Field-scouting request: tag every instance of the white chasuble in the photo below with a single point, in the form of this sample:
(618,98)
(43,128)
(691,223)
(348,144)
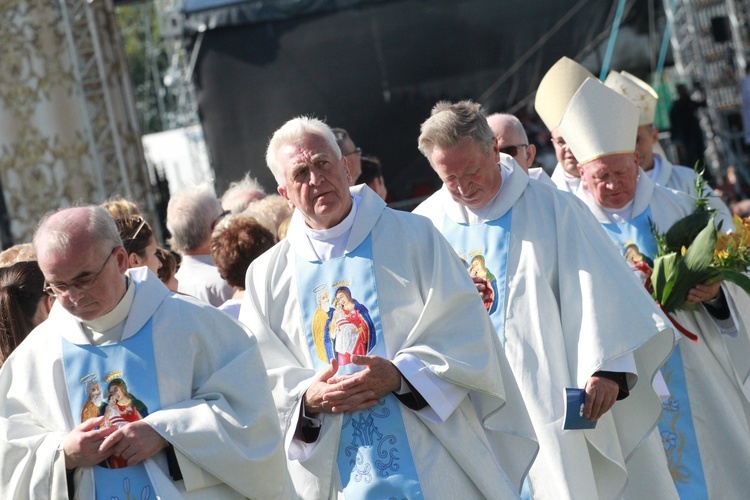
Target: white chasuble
(681,178)
(638,246)
(205,392)
(705,426)
(421,304)
(560,326)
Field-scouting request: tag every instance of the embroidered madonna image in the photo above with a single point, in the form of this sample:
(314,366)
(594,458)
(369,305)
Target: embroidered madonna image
(342,329)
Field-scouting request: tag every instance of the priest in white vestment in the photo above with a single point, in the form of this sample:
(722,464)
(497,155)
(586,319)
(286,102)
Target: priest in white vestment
(129,390)
(387,376)
(555,90)
(547,277)
(705,427)
(651,156)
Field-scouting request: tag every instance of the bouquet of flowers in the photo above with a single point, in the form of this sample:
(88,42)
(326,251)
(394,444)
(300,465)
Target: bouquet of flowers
(693,252)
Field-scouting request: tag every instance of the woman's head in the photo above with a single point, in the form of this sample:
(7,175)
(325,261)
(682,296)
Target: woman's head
(120,208)
(236,242)
(23,304)
(139,242)
(169,265)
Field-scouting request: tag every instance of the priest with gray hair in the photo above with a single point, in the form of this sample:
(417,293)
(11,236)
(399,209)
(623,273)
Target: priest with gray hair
(386,373)
(546,273)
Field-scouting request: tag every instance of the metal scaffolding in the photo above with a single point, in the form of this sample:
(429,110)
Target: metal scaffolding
(105,145)
(182,51)
(710,47)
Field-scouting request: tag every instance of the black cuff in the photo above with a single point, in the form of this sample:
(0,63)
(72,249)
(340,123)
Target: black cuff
(172,463)
(718,307)
(412,400)
(308,429)
(620,378)
(69,479)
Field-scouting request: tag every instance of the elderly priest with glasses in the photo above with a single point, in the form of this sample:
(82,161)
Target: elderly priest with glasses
(129,390)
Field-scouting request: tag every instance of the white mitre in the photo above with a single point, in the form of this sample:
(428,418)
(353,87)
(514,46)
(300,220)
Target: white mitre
(556,88)
(599,122)
(639,92)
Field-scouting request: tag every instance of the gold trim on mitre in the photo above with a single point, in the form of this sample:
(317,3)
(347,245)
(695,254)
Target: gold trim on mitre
(556,88)
(599,122)
(639,92)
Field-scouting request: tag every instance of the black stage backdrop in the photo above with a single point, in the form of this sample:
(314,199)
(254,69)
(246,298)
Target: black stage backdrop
(375,69)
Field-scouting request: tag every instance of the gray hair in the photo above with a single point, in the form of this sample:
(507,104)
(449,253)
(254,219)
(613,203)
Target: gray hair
(241,193)
(90,386)
(190,215)
(59,226)
(271,211)
(293,132)
(449,123)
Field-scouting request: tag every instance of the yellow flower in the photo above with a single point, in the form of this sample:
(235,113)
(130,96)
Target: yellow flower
(732,250)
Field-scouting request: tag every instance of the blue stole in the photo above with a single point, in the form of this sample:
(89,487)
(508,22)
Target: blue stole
(117,372)
(339,302)
(634,239)
(484,250)
(637,244)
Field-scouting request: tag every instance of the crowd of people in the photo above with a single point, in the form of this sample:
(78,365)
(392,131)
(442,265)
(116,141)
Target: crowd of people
(499,342)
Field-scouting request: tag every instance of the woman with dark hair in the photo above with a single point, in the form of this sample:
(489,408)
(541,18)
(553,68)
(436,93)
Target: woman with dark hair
(23,304)
(139,242)
(169,265)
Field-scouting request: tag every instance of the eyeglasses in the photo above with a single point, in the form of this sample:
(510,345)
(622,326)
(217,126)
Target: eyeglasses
(82,284)
(357,151)
(512,150)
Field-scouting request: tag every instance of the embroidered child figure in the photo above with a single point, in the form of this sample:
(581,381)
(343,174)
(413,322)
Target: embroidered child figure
(122,409)
(350,328)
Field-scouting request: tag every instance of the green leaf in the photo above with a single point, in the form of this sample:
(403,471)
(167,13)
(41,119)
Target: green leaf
(676,289)
(685,280)
(672,275)
(701,192)
(739,279)
(692,269)
(663,269)
(714,276)
(684,231)
(700,253)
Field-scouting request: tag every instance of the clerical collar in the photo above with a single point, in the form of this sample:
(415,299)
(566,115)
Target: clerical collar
(480,215)
(622,214)
(102,329)
(331,243)
(653,174)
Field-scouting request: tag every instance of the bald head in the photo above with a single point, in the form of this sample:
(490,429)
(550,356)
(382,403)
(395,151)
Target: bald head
(75,228)
(512,139)
(82,258)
